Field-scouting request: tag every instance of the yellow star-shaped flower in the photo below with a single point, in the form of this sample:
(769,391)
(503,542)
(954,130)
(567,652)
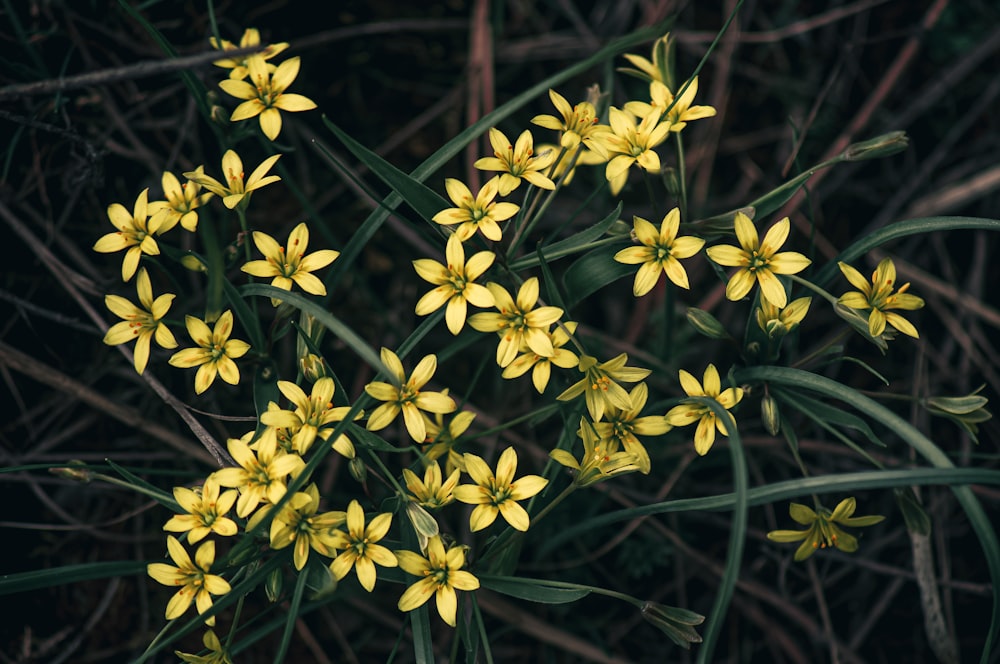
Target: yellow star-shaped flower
(758,261)
(290,265)
(659,252)
(265,94)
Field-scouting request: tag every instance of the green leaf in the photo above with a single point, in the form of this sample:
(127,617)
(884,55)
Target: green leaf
(533,590)
(60,576)
(248,319)
(417,195)
(373,441)
(142,486)
(902,229)
(981,523)
(568,246)
(324,318)
(591,272)
(830,414)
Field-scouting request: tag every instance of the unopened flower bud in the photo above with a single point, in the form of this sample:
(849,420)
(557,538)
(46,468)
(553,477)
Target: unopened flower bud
(880,146)
(769,414)
(313,367)
(274,584)
(424,524)
(193,263)
(358,470)
(706,324)
(677,624)
(76,470)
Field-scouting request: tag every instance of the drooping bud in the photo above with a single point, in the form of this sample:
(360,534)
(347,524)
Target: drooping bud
(769,414)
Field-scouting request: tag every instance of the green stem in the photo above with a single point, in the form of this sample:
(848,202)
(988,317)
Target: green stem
(813,287)
(682,177)
(555,501)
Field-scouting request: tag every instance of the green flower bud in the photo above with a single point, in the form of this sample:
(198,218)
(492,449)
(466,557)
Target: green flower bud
(706,324)
(677,624)
(880,146)
(769,414)
(274,584)
(358,470)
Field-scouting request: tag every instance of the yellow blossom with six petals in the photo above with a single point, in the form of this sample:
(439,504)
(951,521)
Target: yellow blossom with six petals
(198,585)
(440,574)
(405,395)
(686,413)
(135,234)
(455,283)
(291,265)
(215,352)
(518,322)
(659,252)
(475,213)
(140,323)
(759,261)
(499,493)
(265,94)
(235,191)
(878,297)
(517,162)
(361,548)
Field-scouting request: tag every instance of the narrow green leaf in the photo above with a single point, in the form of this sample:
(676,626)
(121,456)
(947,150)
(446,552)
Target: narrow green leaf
(827,412)
(780,491)
(142,486)
(60,576)
(902,229)
(293,617)
(249,321)
(981,523)
(593,271)
(417,195)
(737,533)
(324,318)
(533,590)
(570,245)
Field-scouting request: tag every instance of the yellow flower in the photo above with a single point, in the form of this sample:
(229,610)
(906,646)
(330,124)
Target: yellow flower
(541,366)
(206,511)
(778,322)
(291,265)
(215,352)
(431,492)
(497,494)
(454,283)
(622,425)
(687,413)
(362,548)
(578,124)
(659,252)
(251,37)
(216,655)
(181,204)
(197,584)
(440,574)
(630,143)
(265,94)
(878,297)
(297,523)
(481,212)
(600,384)
(312,412)
(135,233)
(259,476)
(405,395)
(599,462)
(235,191)
(758,261)
(661,98)
(659,68)
(140,323)
(823,530)
(517,162)
(518,323)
